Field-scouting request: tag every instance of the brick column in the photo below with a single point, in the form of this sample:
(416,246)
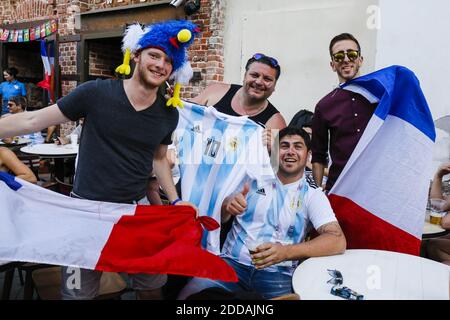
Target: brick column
(206,53)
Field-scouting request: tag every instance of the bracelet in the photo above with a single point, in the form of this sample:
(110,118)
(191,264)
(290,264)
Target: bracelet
(174,202)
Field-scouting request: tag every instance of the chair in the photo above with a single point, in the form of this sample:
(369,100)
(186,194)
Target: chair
(63,187)
(47,283)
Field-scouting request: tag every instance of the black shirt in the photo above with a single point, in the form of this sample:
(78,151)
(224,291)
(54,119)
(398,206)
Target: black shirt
(117,142)
(224,106)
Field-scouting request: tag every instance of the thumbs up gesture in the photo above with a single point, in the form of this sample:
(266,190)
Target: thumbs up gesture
(236,204)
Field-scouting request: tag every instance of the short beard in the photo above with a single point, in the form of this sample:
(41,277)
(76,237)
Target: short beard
(347,78)
(143,78)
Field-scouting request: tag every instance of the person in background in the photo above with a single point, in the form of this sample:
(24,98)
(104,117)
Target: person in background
(10,87)
(77,131)
(18,104)
(438,249)
(11,164)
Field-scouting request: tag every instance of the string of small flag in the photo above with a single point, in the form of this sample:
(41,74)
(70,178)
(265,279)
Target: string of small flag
(29,34)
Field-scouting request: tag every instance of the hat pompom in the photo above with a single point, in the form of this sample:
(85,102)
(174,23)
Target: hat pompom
(132,36)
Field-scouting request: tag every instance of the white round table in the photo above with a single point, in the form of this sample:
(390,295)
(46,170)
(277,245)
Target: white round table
(51,150)
(376,274)
(57,152)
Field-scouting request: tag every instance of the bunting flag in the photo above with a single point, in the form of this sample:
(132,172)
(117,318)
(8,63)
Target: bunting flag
(48,59)
(381,195)
(38,225)
(29,34)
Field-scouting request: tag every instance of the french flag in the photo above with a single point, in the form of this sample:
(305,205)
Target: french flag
(381,195)
(48,59)
(38,225)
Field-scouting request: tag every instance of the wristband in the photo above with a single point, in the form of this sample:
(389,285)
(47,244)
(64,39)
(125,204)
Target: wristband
(174,202)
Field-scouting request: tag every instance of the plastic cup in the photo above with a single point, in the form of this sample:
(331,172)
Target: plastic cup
(252,245)
(74,140)
(436,210)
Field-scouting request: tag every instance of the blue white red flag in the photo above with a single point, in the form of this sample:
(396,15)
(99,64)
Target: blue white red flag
(48,59)
(381,195)
(38,225)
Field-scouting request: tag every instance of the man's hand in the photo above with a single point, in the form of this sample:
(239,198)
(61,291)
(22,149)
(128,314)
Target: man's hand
(186,203)
(267,139)
(443,170)
(269,254)
(237,204)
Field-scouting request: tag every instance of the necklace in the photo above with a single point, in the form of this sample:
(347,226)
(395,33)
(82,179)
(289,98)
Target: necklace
(252,112)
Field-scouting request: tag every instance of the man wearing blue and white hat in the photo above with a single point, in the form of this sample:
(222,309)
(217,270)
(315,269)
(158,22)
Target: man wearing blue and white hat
(127,129)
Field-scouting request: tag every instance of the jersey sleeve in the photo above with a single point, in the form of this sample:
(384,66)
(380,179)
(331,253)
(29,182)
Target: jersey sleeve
(76,104)
(319,211)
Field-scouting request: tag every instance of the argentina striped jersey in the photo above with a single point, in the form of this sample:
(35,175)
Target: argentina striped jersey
(217,152)
(278,213)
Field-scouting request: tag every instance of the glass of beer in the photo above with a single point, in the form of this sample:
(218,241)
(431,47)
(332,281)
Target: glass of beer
(252,245)
(436,212)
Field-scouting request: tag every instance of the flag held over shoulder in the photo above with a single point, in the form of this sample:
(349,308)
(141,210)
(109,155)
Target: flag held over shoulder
(38,225)
(381,195)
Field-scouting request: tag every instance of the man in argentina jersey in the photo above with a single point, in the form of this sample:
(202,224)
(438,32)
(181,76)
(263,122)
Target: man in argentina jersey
(272,222)
(216,153)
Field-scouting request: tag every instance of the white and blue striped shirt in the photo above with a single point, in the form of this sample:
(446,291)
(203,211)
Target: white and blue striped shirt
(217,152)
(298,206)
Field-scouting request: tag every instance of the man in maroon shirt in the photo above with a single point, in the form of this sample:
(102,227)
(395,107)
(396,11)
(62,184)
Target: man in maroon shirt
(341,116)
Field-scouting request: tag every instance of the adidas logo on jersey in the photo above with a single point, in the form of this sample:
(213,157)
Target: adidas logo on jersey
(261,191)
(196,129)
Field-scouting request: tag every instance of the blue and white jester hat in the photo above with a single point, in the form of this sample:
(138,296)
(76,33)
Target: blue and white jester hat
(173,37)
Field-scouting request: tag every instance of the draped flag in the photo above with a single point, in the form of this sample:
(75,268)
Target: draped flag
(48,59)
(38,225)
(381,195)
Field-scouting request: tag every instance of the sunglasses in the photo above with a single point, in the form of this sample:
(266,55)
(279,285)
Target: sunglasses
(337,278)
(273,61)
(352,55)
(339,290)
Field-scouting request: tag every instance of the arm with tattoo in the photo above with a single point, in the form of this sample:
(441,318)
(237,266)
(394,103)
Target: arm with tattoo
(331,241)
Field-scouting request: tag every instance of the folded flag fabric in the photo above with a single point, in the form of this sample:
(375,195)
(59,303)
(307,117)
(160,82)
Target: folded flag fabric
(381,195)
(38,225)
(48,60)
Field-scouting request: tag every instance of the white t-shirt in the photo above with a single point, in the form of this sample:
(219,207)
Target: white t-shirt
(298,206)
(217,152)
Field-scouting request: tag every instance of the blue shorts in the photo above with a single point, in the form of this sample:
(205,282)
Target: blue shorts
(268,284)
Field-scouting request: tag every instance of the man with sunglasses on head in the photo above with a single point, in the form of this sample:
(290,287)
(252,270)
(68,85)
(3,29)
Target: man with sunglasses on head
(250,99)
(341,117)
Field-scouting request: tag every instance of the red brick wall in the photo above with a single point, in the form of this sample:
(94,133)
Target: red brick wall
(206,54)
(25,10)
(104,58)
